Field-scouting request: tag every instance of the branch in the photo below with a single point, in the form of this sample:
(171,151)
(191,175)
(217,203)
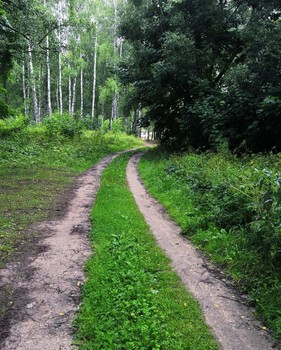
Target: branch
(6,25)
(235,59)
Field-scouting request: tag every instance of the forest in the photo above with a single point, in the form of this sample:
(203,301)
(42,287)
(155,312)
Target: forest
(202,74)
(81,80)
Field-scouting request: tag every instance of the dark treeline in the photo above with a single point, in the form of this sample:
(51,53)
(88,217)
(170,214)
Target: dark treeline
(208,71)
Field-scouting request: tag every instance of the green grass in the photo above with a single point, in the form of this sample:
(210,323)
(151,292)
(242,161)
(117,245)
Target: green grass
(27,196)
(230,208)
(35,173)
(132,299)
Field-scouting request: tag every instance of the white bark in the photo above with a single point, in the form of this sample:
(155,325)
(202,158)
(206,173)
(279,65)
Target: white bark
(94,77)
(60,63)
(73,96)
(69,91)
(60,83)
(115,46)
(57,96)
(81,91)
(48,67)
(24,89)
(36,114)
(115,106)
(39,90)
(28,99)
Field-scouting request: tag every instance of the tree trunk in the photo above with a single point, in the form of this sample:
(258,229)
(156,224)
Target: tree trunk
(57,96)
(73,96)
(48,67)
(39,90)
(69,91)
(36,114)
(81,91)
(115,47)
(60,64)
(115,106)
(24,88)
(94,77)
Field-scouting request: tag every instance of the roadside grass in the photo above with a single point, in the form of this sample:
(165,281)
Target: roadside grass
(36,171)
(132,299)
(231,209)
(27,196)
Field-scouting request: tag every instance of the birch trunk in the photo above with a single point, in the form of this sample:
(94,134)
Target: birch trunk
(39,90)
(81,92)
(60,83)
(60,64)
(115,106)
(94,77)
(57,96)
(69,91)
(36,114)
(48,67)
(28,99)
(115,47)
(24,89)
(73,96)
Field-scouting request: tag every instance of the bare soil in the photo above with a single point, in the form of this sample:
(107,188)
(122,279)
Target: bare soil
(46,284)
(232,323)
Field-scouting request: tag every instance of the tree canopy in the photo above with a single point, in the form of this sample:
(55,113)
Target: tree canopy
(208,71)
(203,73)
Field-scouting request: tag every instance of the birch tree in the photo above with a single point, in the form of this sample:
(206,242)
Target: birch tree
(36,114)
(94,77)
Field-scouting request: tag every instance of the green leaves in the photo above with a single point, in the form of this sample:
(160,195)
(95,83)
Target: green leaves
(188,56)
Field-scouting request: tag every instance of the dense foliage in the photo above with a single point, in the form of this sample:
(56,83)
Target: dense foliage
(61,56)
(230,208)
(208,71)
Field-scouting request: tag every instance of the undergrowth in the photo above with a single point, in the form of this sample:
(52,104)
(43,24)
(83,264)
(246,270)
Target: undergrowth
(132,299)
(231,208)
(36,169)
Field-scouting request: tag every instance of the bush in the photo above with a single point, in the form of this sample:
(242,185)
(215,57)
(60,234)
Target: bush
(10,126)
(5,110)
(62,125)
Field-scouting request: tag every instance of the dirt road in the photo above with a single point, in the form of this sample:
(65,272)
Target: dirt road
(52,288)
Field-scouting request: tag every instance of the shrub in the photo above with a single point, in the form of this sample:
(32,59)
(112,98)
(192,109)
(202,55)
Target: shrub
(62,125)
(10,126)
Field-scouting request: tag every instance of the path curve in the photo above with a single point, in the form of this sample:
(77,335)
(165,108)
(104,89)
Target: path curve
(54,287)
(232,323)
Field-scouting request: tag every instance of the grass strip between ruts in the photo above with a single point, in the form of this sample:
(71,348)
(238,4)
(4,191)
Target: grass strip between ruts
(132,299)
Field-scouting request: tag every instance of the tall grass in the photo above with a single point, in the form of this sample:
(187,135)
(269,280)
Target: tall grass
(230,208)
